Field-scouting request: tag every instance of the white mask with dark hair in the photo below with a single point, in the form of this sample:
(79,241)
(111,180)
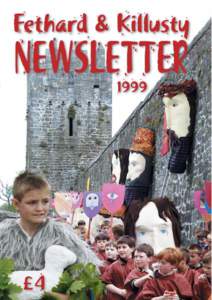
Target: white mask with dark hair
(153,230)
(137,164)
(177,111)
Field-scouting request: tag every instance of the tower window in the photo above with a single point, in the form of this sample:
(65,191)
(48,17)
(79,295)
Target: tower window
(70,127)
(71,116)
(96,93)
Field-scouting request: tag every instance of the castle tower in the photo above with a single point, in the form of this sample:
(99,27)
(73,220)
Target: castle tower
(69,121)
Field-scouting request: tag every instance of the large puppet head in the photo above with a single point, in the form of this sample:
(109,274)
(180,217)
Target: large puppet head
(179,100)
(139,175)
(158,224)
(120,160)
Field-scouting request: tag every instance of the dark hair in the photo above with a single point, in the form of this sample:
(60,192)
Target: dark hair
(81,222)
(26,182)
(123,155)
(189,88)
(105,223)
(118,230)
(146,248)
(202,234)
(102,237)
(126,239)
(166,209)
(195,248)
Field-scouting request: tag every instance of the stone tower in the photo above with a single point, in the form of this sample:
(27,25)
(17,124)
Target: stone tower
(69,121)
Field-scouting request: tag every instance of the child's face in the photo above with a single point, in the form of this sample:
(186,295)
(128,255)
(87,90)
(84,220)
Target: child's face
(101,245)
(82,229)
(194,259)
(165,267)
(34,206)
(141,260)
(124,251)
(207,269)
(182,266)
(111,252)
(105,229)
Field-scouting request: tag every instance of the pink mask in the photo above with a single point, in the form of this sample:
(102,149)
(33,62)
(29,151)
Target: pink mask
(113,196)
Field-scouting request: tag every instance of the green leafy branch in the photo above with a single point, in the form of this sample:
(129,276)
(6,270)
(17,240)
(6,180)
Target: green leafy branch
(79,281)
(8,290)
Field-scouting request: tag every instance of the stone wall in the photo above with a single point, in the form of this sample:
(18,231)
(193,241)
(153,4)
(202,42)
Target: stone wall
(178,187)
(53,102)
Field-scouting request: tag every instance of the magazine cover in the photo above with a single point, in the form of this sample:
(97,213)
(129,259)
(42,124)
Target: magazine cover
(105,157)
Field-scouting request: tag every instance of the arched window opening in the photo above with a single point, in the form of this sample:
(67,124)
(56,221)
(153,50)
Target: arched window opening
(70,127)
(71,116)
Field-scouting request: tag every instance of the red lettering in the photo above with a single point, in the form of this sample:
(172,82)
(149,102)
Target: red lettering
(62,55)
(57,55)
(82,56)
(174,24)
(38,24)
(110,57)
(19,54)
(121,23)
(48,24)
(162,57)
(185,28)
(28,25)
(147,45)
(27,284)
(129,46)
(17,22)
(165,26)
(61,26)
(94,67)
(82,24)
(40,282)
(179,55)
(37,57)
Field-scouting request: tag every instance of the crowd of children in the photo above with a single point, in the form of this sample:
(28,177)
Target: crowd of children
(135,273)
(129,272)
